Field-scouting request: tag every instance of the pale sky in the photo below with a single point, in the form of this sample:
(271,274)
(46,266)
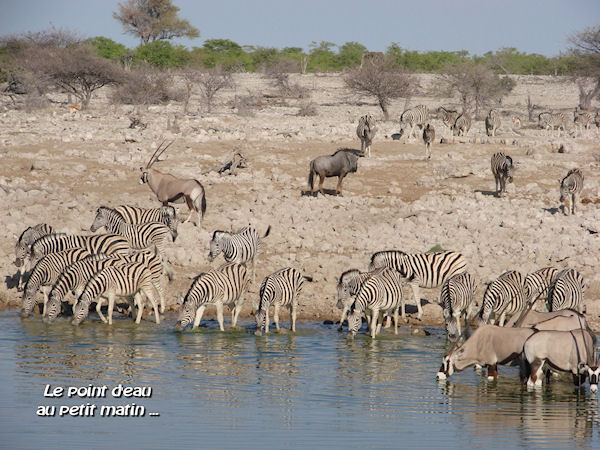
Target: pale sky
(532,26)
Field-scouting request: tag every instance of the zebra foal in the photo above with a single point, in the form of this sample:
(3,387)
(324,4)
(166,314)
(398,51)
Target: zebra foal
(503,297)
(502,169)
(223,286)
(570,187)
(456,298)
(365,131)
(279,289)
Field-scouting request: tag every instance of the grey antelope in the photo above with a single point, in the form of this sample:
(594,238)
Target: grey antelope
(170,189)
(279,289)
(503,170)
(22,247)
(533,317)
(365,131)
(124,280)
(489,345)
(223,286)
(570,187)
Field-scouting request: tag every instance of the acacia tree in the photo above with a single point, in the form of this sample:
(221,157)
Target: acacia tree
(586,49)
(382,82)
(152,20)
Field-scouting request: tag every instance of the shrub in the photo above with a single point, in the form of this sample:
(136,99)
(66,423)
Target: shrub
(145,85)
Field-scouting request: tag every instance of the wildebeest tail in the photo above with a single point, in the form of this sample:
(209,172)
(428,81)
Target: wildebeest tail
(311,175)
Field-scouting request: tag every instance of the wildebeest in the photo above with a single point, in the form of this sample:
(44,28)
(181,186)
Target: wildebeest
(341,163)
(428,138)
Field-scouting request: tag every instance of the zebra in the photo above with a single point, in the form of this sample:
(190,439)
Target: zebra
(570,187)
(456,298)
(548,121)
(44,275)
(223,286)
(75,277)
(279,289)
(425,270)
(138,216)
(28,237)
(567,291)
(583,119)
(537,284)
(381,293)
(428,138)
(348,286)
(502,169)
(448,116)
(239,247)
(123,280)
(492,122)
(365,131)
(504,296)
(138,236)
(413,117)
(462,125)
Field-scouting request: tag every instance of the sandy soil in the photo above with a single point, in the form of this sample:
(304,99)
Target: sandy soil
(58,169)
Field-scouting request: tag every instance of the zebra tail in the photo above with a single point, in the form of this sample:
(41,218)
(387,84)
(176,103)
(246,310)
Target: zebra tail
(203,204)
(311,175)
(307,278)
(267,232)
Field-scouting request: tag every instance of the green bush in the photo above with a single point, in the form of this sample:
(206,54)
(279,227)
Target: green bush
(162,54)
(107,48)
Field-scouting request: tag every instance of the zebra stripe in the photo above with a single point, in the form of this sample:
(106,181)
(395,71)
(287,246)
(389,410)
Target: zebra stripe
(348,286)
(417,116)
(502,169)
(279,289)
(567,291)
(456,298)
(22,249)
(425,270)
(492,122)
(122,280)
(381,293)
(537,284)
(137,216)
(504,296)
(365,131)
(223,286)
(570,187)
(548,121)
(44,275)
(448,116)
(462,125)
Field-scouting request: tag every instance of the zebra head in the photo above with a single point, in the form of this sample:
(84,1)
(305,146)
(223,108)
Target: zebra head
(354,323)
(509,169)
(52,308)
(81,309)
(343,286)
(215,244)
(186,314)
(21,251)
(28,303)
(100,220)
(170,220)
(451,324)
(261,317)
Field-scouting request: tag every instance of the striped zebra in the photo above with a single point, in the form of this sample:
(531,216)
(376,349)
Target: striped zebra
(428,138)
(348,286)
(570,187)
(279,289)
(365,131)
(138,236)
(22,247)
(549,121)
(421,270)
(223,286)
(503,297)
(502,169)
(239,247)
(138,216)
(381,293)
(44,275)
(122,280)
(492,122)
(462,125)
(456,298)
(537,284)
(413,117)
(567,291)
(583,119)
(448,116)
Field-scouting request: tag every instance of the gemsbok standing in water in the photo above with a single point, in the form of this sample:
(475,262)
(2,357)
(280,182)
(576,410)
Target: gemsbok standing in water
(170,189)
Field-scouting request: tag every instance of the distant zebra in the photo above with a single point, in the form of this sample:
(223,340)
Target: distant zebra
(44,275)
(138,216)
(567,291)
(492,122)
(462,125)
(223,286)
(426,270)
(428,138)
(348,286)
(503,297)
(537,284)
(139,237)
(548,121)
(381,293)
(279,289)
(570,187)
(28,237)
(414,117)
(448,116)
(502,169)
(456,298)
(365,131)
(239,247)
(123,280)
(583,119)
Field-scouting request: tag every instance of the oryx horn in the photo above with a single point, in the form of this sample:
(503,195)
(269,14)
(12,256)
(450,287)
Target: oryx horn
(157,153)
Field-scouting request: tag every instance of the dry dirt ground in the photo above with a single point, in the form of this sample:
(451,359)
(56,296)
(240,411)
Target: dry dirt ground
(57,168)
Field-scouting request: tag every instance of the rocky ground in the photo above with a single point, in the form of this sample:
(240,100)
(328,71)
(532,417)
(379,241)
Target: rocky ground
(57,168)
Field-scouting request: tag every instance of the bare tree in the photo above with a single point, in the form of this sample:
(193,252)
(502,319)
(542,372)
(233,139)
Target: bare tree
(586,49)
(146,85)
(211,82)
(152,20)
(382,82)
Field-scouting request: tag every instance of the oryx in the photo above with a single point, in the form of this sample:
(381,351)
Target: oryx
(170,189)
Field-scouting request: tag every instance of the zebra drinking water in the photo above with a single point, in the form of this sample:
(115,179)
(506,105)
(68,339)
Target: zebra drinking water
(502,169)
(504,296)
(348,286)
(567,291)
(570,187)
(365,131)
(412,118)
(492,122)
(456,298)
(279,289)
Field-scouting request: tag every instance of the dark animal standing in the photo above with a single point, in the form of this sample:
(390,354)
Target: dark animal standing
(428,138)
(341,163)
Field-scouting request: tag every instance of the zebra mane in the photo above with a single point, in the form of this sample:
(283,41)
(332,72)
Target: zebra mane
(349,150)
